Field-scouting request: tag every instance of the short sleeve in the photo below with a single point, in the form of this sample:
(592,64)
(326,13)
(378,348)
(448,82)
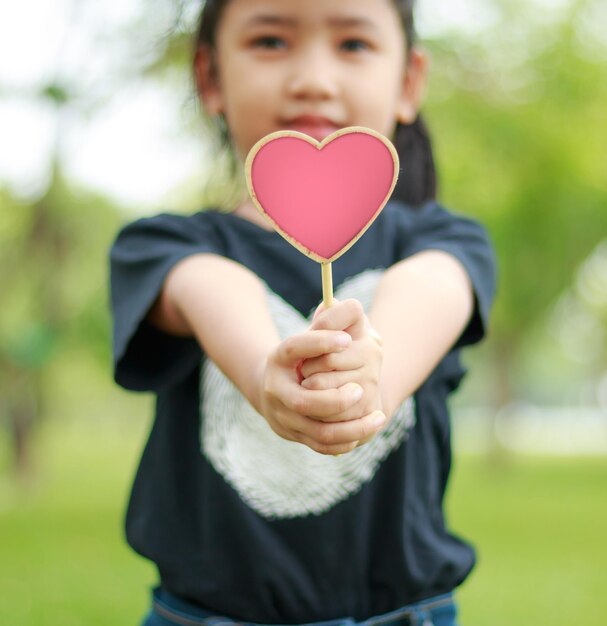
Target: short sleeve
(432,227)
(145,358)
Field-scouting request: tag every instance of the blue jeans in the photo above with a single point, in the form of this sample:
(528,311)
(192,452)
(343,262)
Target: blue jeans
(168,610)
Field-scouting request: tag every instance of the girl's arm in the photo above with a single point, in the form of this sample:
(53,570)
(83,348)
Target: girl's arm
(224,306)
(421,308)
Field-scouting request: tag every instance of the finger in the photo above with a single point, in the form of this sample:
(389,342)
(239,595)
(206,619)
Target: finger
(336,450)
(333,361)
(294,427)
(324,404)
(330,380)
(368,438)
(347,315)
(282,429)
(296,437)
(321,307)
(324,437)
(311,344)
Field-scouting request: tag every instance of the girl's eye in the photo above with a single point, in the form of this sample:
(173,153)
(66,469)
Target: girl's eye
(354,45)
(269,43)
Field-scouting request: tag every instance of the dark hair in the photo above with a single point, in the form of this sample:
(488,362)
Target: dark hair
(417,181)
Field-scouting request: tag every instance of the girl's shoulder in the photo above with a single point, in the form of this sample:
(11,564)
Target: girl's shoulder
(432,223)
(204,219)
(430,211)
(174,220)
(204,224)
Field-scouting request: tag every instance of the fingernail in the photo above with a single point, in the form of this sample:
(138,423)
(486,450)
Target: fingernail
(357,392)
(379,420)
(343,340)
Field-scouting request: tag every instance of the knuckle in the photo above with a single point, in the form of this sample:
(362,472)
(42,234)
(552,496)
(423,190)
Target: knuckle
(292,435)
(320,448)
(344,400)
(282,432)
(325,434)
(299,403)
(289,346)
(320,321)
(342,404)
(354,307)
(327,362)
(268,388)
(274,355)
(314,383)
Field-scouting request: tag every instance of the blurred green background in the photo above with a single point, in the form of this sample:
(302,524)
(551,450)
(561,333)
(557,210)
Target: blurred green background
(517,105)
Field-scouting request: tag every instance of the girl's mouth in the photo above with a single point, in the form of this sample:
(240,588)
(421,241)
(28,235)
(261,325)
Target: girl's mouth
(316,127)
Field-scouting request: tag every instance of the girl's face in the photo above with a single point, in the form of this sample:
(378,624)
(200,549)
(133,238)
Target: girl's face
(309,65)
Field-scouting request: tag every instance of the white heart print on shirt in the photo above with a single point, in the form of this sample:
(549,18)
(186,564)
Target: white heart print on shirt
(279,478)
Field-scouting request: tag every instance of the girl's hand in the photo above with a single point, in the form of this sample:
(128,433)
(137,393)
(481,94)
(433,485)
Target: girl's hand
(328,420)
(359,363)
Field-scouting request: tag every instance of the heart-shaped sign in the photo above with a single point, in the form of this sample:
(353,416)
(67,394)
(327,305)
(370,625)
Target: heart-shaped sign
(322,196)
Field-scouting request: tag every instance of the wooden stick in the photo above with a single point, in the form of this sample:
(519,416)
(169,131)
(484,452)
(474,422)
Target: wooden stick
(327,285)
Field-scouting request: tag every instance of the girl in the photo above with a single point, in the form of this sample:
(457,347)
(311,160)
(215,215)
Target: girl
(295,470)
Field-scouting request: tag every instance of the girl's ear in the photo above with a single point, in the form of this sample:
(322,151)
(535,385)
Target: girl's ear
(414,84)
(207,81)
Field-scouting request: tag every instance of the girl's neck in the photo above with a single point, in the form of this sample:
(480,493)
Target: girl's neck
(247,211)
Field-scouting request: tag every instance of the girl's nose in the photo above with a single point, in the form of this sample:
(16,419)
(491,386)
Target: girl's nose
(312,75)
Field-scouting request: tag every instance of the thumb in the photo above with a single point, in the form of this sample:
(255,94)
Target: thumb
(310,344)
(347,315)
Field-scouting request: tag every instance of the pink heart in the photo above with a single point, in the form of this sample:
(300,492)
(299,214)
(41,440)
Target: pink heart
(322,196)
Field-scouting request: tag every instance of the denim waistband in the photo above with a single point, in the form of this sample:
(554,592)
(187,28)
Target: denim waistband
(181,613)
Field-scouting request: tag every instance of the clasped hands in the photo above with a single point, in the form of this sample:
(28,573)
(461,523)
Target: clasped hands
(321,387)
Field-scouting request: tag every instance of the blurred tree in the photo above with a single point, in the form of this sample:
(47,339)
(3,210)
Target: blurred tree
(578,323)
(54,296)
(519,121)
(55,244)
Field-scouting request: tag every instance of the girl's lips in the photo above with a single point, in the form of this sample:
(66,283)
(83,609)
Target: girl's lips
(317,130)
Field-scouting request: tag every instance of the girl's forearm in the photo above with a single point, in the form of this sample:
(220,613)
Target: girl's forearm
(420,309)
(224,306)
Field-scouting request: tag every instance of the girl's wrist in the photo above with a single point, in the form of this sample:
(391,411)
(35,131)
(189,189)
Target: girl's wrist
(254,391)
(388,403)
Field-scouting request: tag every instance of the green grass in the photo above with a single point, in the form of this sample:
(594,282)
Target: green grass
(64,559)
(538,523)
(539,527)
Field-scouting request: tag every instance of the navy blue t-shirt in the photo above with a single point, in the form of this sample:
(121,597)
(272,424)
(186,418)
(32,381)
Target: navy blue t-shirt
(244,523)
